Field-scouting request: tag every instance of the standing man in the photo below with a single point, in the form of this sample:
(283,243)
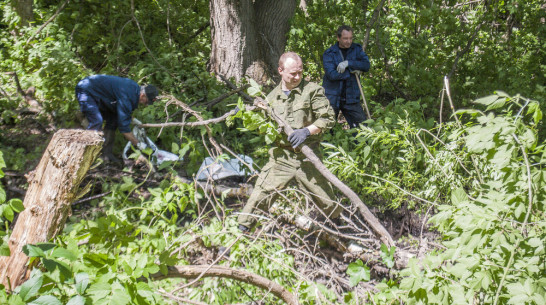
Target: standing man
(112,99)
(340,85)
(305,108)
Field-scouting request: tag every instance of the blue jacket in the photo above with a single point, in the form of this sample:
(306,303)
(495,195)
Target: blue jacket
(333,81)
(114,95)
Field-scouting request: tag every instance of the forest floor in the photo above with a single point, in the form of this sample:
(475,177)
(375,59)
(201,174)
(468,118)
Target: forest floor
(322,249)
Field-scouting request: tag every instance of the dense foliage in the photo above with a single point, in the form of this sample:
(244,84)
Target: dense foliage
(477,174)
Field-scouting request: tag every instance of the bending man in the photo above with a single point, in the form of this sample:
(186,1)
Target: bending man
(112,99)
(305,108)
(340,85)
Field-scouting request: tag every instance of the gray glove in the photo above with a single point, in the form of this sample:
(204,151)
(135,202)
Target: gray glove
(298,136)
(342,66)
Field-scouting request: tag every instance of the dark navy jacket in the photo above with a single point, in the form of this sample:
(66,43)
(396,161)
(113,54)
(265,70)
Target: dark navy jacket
(114,95)
(333,81)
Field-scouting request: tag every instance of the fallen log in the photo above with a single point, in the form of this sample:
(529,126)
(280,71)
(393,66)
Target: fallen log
(53,185)
(374,223)
(194,271)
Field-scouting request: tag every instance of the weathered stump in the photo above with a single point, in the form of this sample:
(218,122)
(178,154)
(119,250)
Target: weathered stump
(53,185)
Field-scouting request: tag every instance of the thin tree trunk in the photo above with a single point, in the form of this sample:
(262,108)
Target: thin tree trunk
(24,10)
(53,185)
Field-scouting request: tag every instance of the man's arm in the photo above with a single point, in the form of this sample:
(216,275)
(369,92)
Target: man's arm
(130,137)
(361,62)
(322,111)
(313,129)
(330,67)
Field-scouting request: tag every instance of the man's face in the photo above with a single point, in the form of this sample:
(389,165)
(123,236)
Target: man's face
(143,99)
(346,39)
(291,74)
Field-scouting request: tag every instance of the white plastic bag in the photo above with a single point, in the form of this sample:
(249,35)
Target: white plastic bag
(158,156)
(222,169)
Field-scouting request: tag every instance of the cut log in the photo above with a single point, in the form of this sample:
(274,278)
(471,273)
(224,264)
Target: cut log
(53,185)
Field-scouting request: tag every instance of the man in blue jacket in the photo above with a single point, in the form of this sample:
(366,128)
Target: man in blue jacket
(112,99)
(340,85)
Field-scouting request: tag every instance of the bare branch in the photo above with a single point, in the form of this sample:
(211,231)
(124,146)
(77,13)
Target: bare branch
(195,271)
(193,124)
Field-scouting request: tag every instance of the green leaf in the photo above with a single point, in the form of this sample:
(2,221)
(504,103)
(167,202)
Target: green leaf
(82,281)
(2,196)
(4,249)
(99,291)
(458,196)
(31,287)
(16,204)
(46,300)
(358,272)
(76,300)
(64,253)
(33,251)
(488,100)
(7,211)
(387,255)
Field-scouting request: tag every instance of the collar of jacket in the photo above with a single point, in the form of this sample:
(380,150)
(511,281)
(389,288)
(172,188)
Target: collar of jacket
(280,94)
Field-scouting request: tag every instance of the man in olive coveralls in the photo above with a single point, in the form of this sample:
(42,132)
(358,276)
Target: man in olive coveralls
(306,109)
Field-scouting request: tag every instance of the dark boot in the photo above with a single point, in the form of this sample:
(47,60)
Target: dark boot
(107,154)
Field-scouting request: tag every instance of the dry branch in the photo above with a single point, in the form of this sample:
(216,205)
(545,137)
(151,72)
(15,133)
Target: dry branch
(52,187)
(226,95)
(193,124)
(374,223)
(194,271)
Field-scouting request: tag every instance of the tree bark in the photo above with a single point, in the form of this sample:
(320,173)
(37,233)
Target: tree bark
(24,10)
(53,185)
(248,37)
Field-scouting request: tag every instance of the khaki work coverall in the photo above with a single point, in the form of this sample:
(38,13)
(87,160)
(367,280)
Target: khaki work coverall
(305,105)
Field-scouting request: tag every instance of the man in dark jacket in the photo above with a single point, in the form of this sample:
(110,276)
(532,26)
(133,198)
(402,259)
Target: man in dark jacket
(112,99)
(340,85)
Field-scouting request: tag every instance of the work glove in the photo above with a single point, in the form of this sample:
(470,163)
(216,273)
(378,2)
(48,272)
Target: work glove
(342,66)
(142,146)
(298,136)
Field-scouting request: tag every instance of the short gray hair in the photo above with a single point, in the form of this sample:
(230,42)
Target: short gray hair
(287,55)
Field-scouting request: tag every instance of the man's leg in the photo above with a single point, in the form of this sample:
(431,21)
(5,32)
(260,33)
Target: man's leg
(353,113)
(90,109)
(107,150)
(275,175)
(321,190)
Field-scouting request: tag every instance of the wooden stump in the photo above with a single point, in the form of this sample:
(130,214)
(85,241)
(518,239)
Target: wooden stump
(53,185)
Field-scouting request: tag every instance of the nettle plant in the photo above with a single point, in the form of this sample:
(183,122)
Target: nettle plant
(494,234)
(400,151)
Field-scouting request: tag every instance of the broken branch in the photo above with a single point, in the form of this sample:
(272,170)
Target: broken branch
(194,271)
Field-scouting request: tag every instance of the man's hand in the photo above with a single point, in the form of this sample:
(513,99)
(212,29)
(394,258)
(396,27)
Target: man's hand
(342,66)
(142,146)
(298,136)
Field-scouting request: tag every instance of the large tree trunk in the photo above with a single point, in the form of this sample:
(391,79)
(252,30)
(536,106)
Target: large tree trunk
(24,10)
(249,36)
(52,187)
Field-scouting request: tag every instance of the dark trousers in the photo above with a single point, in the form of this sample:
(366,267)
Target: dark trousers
(91,109)
(353,113)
